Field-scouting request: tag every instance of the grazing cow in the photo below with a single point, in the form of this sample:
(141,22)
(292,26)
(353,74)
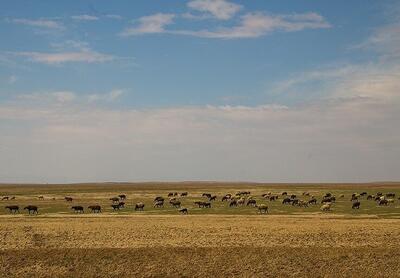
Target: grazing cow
(170,194)
(302,203)
(293,196)
(5,198)
(122,197)
(383,202)
(356,205)
(121,204)
(40,197)
(208,195)
(326,207)
(313,201)
(68,199)
(159,198)
(284,193)
(183,210)
(183,194)
(77,209)
(159,204)
(30,208)
(273,198)
(114,199)
(115,207)
(363,193)
(295,202)
(286,201)
(233,203)
(370,197)
(95,209)
(13,209)
(212,198)
(226,197)
(139,206)
(175,203)
(251,202)
(206,204)
(390,195)
(262,209)
(241,201)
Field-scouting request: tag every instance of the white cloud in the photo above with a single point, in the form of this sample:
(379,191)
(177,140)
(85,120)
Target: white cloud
(85,56)
(150,24)
(111,96)
(254,25)
(41,23)
(85,17)
(220,9)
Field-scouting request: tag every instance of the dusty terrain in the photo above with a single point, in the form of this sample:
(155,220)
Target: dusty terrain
(213,243)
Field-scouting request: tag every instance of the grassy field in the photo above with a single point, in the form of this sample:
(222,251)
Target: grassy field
(216,242)
(91,194)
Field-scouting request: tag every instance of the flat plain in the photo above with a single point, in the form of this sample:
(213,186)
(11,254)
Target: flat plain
(220,241)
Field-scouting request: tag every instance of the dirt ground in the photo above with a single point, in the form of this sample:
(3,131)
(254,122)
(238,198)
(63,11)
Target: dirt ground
(198,246)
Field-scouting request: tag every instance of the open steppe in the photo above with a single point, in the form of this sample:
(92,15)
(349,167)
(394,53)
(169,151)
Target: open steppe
(216,242)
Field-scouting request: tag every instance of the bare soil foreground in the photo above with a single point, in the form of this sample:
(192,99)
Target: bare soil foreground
(216,242)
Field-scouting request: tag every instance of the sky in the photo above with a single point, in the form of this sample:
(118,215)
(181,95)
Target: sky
(224,90)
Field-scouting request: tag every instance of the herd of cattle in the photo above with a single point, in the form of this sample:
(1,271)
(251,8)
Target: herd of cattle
(241,198)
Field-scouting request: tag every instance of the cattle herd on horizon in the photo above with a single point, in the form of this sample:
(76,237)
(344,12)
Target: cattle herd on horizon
(241,198)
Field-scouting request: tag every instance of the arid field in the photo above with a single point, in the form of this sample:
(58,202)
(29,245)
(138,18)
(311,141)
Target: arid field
(220,241)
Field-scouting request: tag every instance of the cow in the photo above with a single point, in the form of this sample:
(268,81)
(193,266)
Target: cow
(284,193)
(313,201)
(184,194)
(68,199)
(208,195)
(273,198)
(30,208)
(95,208)
(175,203)
(183,210)
(233,203)
(383,202)
(226,197)
(77,209)
(114,199)
(212,198)
(40,197)
(293,196)
(139,206)
(159,198)
(122,197)
(390,195)
(5,198)
(159,204)
(251,202)
(115,206)
(13,209)
(262,209)
(326,207)
(356,205)
(121,204)
(286,201)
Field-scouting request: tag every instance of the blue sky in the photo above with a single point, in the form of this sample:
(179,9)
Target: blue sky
(199,90)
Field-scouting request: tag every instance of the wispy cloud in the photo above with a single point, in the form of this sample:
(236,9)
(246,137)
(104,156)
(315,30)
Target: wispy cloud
(219,9)
(150,24)
(252,25)
(40,23)
(111,96)
(85,17)
(86,56)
